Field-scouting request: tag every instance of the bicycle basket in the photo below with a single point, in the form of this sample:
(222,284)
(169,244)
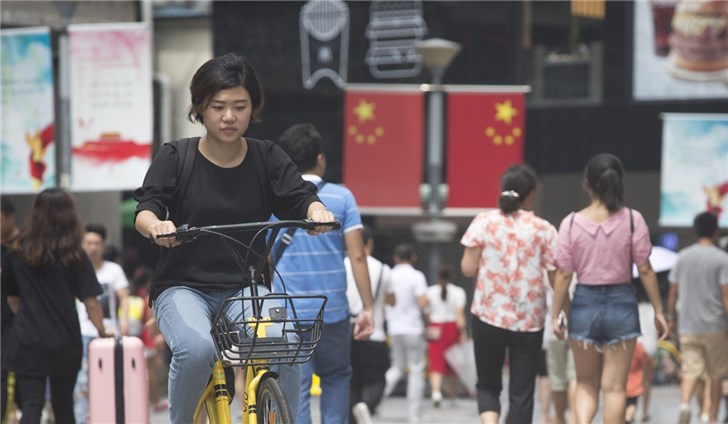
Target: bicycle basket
(290,339)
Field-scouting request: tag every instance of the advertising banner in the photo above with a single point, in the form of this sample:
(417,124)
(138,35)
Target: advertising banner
(383,145)
(680,49)
(27,148)
(694,174)
(485,135)
(111,105)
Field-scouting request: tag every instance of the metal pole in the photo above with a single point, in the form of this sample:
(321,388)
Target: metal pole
(434,163)
(64,132)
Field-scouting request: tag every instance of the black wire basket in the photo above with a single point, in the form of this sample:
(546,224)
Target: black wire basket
(237,342)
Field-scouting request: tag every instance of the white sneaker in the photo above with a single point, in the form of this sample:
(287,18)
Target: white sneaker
(361,413)
(436,399)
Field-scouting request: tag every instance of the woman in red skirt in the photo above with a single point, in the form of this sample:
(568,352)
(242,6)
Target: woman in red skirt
(446,327)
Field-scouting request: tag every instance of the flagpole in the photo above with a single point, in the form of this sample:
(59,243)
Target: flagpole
(437,54)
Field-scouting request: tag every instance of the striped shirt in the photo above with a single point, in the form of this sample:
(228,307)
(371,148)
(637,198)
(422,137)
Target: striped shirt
(314,265)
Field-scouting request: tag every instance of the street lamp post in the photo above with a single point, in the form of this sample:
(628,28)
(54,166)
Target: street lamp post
(436,56)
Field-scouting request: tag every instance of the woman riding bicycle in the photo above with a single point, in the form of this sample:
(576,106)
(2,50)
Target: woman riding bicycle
(232,179)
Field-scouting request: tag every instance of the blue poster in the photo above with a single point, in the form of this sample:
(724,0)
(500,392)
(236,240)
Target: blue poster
(27,141)
(694,176)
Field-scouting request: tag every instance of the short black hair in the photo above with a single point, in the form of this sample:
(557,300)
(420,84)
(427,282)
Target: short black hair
(302,142)
(220,73)
(111,253)
(7,207)
(404,252)
(705,225)
(98,229)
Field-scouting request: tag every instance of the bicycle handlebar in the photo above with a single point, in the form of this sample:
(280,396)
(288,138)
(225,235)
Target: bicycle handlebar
(185,233)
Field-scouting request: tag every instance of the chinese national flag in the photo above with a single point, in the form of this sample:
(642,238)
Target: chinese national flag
(485,135)
(383,146)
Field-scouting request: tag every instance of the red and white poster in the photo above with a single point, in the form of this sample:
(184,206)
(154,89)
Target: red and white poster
(485,135)
(111,105)
(383,145)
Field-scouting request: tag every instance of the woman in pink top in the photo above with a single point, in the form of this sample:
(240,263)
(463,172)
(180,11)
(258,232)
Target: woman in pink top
(599,243)
(507,249)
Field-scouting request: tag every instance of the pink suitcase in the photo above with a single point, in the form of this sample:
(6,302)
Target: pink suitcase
(118,385)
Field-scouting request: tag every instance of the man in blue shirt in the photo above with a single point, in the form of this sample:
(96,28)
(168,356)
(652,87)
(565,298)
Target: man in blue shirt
(315,265)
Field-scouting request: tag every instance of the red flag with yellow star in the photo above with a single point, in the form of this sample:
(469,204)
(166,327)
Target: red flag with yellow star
(485,135)
(383,146)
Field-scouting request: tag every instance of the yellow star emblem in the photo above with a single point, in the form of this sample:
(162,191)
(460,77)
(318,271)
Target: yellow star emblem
(505,112)
(364,111)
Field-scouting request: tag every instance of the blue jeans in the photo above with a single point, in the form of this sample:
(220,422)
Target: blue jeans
(332,362)
(80,392)
(604,314)
(184,316)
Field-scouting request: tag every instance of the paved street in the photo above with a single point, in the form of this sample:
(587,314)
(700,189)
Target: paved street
(665,401)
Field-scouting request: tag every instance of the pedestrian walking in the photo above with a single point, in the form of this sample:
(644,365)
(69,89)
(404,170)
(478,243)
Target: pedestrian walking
(698,306)
(561,371)
(9,231)
(369,358)
(508,250)
(445,327)
(406,328)
(113,283)
(315,265)
(635,381)
(600,243)
(43,274)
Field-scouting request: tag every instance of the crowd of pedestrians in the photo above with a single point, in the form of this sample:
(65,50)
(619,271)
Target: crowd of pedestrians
(555,306)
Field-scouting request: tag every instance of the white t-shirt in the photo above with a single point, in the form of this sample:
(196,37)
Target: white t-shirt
(405,317)
(378,272)
(444,310)
(110,275)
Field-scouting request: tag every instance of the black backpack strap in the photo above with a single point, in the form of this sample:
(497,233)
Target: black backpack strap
(255,148)
(186,155)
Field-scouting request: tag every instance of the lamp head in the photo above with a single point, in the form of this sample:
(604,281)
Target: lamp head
(437,54)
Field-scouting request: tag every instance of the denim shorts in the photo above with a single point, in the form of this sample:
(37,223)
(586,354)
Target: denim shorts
(604,314)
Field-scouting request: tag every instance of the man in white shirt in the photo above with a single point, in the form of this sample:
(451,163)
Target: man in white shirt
(114,283)
(369,358)
(407,329)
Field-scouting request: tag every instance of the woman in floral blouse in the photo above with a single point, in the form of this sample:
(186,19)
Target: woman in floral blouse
(507,249)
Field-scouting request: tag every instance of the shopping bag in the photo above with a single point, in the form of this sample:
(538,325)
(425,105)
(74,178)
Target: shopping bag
(461,358)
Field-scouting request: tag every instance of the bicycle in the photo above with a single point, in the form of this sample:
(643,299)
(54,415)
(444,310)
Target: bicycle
(245,343)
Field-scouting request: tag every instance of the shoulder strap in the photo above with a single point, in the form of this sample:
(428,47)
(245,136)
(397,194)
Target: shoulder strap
(186,155)
(379,282)
(631,233)
(286,239)
(571,224)
(255,148)
(281,245)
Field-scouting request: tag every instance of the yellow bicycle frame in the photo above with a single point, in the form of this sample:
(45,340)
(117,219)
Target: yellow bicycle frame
(216,397)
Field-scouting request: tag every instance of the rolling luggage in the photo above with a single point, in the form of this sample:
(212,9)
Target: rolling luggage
(118,380)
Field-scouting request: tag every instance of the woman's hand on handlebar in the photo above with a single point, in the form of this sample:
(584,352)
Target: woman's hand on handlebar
(320,214)
(163,227)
